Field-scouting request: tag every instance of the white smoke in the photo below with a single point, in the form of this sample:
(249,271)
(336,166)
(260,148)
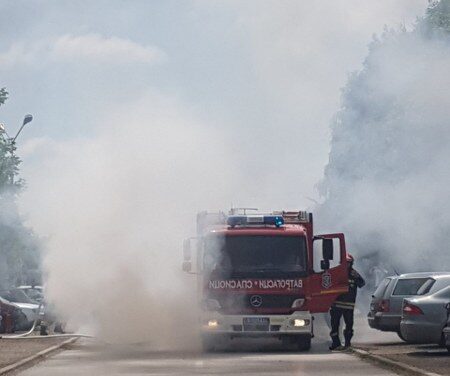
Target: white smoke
(116,207)
(386,184)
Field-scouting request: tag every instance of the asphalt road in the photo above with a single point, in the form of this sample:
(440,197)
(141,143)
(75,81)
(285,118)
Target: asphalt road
(90,358)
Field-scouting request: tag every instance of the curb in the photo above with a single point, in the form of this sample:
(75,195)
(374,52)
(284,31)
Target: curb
(40,354)
(400,366)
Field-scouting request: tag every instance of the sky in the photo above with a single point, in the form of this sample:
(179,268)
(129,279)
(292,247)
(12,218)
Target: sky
(267,73)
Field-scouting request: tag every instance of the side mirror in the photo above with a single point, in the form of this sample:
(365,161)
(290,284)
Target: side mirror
(187,250)
(186,266)
(447,307)
(327,249)
(325,264)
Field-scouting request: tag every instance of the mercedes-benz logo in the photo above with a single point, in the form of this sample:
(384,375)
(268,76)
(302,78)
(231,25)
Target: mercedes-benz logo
(256,301)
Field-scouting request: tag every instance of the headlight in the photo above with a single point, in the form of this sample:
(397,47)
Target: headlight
(211,305)
(298,323)
(213,323)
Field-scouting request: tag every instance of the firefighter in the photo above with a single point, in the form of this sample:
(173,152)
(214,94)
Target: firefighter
(344,306)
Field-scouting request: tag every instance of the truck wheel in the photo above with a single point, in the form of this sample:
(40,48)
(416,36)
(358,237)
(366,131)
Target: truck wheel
(304,343)
(208,344)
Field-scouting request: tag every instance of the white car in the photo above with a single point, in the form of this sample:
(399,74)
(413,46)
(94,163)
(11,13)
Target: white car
(29,308)
(31,311)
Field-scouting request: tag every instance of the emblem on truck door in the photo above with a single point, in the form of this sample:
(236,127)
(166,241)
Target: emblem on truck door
(326,280)
(256,301)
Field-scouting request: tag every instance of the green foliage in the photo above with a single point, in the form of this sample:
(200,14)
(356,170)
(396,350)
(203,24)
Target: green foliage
(19,246)
(9,167)
(3,95)
(437,18)
(389,146)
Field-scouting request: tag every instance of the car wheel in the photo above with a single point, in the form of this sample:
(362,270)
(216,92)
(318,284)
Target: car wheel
(20,322)
(399,333)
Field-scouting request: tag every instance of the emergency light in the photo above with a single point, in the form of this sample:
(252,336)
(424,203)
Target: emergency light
(248,220)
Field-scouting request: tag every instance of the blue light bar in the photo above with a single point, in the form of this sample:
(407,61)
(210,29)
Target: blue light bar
(248,220)
(276,220)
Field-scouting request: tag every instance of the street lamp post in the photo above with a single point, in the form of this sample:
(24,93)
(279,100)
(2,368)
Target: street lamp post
(11,142)
(27,119)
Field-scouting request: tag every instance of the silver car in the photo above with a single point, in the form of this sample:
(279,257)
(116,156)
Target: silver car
(446,331)
(386,307)
(424,318)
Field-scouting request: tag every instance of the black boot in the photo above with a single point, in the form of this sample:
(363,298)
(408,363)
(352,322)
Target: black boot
(336,342)
(348,338)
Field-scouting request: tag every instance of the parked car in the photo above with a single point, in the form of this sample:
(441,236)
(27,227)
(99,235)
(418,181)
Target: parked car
(446,330)
(387,301)
(424,318)
(12,317)
(26,305)
(35,293)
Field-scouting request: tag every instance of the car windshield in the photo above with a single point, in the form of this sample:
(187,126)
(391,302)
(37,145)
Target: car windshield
(34,294)
(256,254)
(413,286)
(17,296)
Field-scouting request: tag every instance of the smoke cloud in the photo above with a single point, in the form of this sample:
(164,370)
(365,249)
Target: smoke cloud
(116,207)
(386,183)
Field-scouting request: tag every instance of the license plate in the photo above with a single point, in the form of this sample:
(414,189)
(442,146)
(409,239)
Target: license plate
(256,321)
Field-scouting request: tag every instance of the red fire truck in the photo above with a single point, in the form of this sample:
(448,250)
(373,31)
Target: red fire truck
(263,275)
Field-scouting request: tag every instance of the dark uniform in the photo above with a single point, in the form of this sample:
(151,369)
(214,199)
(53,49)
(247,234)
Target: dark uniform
(344,306)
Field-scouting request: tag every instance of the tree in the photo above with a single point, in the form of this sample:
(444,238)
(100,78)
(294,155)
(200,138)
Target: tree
(386,182)
(19,246)
(3,95)
(437,16)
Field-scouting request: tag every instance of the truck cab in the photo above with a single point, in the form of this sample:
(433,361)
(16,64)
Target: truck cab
(258,276)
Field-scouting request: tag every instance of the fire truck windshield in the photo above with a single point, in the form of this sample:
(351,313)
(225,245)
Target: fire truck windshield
(256,255)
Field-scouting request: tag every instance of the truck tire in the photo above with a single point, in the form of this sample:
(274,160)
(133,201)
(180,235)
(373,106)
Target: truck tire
(304,343)
(208,343)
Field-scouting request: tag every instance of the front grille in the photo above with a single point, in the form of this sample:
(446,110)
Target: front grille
(236,302)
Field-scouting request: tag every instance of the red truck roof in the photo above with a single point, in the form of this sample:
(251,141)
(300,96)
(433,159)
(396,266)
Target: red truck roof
(286,230)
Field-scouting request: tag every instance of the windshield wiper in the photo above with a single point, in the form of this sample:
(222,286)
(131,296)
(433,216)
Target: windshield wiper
(263,270)
(269,269)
